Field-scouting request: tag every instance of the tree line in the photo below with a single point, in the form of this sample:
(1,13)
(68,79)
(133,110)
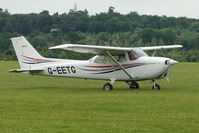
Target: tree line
(126,30)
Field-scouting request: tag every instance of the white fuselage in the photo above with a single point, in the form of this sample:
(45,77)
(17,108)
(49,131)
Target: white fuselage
(110,63)
(143,68)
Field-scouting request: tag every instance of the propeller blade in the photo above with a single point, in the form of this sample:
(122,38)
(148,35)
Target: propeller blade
(169,72)
(170,65)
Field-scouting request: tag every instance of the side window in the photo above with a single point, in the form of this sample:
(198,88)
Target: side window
(102,59)
(121,58)
(99,59)
(107,59)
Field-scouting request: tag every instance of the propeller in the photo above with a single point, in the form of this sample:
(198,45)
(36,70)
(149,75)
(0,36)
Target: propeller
(170,65)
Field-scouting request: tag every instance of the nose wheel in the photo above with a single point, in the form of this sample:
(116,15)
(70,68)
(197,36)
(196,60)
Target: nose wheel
(155,86)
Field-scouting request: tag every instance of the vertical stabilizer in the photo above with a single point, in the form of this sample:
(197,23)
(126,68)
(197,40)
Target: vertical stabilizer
(26,54)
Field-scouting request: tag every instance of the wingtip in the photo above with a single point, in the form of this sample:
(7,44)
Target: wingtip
(179,46)
(54,47)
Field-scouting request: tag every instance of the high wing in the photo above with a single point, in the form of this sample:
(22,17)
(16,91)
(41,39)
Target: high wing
(91,49)
(106,50)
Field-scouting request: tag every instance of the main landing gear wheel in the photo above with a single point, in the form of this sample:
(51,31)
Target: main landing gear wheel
(108,87)
(134,85)
(156,87)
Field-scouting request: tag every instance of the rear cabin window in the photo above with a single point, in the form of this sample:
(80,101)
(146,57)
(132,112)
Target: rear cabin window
(121,58)
(101,59)
(106,59)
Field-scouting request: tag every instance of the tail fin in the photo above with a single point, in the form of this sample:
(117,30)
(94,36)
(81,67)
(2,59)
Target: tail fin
(26,54)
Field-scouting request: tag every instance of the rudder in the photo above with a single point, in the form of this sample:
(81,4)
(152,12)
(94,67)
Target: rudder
(26,54)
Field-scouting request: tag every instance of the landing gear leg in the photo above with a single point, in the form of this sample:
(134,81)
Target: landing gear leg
(109,86)
(133,85)
(155,86)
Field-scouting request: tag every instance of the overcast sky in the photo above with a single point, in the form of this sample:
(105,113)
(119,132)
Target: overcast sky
(177,8)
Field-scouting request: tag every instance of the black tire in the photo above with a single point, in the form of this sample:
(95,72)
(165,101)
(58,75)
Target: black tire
(134,85)
(156,87)
(108,87)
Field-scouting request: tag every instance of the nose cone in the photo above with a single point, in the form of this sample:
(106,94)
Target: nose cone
(172,62)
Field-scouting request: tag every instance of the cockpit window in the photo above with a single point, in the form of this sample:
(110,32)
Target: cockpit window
(131,55)
(121,58)
(106,59)
(135,54)
(101,59)
(140,52)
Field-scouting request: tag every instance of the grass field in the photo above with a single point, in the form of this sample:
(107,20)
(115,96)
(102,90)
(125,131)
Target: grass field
(59,105)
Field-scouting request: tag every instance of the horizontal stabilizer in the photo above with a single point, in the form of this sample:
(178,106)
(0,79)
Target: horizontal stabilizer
(26,70)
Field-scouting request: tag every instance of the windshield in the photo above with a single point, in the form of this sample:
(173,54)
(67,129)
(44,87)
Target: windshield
(139,53)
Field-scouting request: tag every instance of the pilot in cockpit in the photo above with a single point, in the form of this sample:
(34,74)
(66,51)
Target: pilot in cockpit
(131,55)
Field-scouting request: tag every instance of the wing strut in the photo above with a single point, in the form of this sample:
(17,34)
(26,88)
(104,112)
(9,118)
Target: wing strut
(153,53)
(130,76)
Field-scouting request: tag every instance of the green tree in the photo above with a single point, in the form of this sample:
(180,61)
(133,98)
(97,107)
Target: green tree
(111,9)
(168,36)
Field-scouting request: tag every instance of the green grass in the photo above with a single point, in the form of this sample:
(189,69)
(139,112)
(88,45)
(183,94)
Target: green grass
(59,105)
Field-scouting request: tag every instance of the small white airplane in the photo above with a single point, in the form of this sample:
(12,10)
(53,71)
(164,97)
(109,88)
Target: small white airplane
(110,63)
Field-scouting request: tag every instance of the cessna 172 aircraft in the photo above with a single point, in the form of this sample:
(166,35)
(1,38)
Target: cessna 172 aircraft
(110,63)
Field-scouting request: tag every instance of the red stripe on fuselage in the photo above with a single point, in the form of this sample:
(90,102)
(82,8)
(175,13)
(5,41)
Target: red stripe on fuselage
(114,65)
